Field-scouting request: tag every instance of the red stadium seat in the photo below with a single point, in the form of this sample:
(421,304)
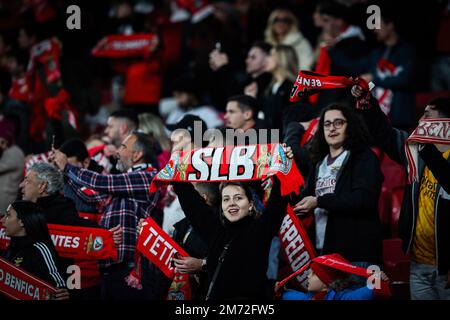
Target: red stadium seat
(396,266)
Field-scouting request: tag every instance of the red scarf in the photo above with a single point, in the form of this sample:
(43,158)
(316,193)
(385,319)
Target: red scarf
(310,132)
(231,163)
(296,246)
(385,69)
(435,131)
(55,106)
(126,46)
(77,242)
(158,247)
(309,83)
(18,284)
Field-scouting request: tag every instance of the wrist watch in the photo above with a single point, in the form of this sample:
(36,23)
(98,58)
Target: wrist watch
(204,265)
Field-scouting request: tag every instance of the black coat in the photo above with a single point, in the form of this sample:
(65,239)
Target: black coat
(353,227)
(61,210)
(38,258)
(243,272)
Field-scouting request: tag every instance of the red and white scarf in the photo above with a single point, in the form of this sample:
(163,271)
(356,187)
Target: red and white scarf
(231,163)
(18,284)
(435,131)
(126,46)
(385,69)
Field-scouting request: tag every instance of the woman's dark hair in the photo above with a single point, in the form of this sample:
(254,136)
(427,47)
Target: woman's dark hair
(248,194)
(33,220)
(357,134)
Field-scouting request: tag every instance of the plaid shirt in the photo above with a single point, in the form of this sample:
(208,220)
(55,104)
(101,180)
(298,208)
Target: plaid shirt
(124,199)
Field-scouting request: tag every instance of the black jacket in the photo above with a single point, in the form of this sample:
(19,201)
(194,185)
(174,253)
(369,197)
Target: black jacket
(353,228)
(38,258)
(392,141)
(274,105)
(61,210)
(243,272)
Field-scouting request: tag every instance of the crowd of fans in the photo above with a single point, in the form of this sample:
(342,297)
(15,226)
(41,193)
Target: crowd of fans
(82,137)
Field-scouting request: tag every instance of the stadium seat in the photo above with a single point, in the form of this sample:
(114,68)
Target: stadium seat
(396,266)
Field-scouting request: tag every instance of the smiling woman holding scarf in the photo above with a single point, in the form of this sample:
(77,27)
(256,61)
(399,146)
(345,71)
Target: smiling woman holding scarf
(238,236)
(344,189)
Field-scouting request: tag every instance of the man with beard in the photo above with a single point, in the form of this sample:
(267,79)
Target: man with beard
(124,199)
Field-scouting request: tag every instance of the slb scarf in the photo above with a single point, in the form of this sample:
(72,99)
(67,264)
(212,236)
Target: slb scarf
(18,284)
(309,83)
(231,163)
(76,242)
(435,131)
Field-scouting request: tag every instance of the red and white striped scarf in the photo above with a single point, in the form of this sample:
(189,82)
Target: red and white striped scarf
(435,131)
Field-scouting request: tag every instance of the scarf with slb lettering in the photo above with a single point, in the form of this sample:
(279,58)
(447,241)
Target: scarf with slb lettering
(435,131)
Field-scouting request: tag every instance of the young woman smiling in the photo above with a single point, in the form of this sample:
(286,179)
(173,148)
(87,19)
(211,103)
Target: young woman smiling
(238,236)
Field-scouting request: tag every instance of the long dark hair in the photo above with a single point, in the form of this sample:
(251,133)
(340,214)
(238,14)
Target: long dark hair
(357,136)
(33,220)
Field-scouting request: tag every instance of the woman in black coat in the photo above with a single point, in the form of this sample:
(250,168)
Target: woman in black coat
(236,235)
(31,247)
(344,189)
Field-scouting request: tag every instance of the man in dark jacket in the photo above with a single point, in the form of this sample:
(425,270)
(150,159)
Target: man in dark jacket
(424,219)
(43,185)
(391,67)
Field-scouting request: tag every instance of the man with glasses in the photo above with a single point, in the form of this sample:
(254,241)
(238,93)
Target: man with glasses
(424,219)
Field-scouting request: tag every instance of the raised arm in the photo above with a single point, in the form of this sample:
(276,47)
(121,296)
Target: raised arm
(386,137)
(133,184)
(203,217)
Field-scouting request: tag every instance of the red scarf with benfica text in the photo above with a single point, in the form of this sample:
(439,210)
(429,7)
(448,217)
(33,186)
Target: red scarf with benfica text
(309,83)
(435,131)
(231,163)
(76,242)
(18,284)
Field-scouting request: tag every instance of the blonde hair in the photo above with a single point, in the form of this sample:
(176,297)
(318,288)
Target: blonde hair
(149,123)
(269,33)
(287,61)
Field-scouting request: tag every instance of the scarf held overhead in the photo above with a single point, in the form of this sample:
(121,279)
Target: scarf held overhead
(18,284)
(126,46)
(76,242)
(435,131)
(231,163)
(309,83)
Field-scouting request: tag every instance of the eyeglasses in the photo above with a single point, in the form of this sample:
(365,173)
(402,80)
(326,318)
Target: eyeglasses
(337,123)
(282,20)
